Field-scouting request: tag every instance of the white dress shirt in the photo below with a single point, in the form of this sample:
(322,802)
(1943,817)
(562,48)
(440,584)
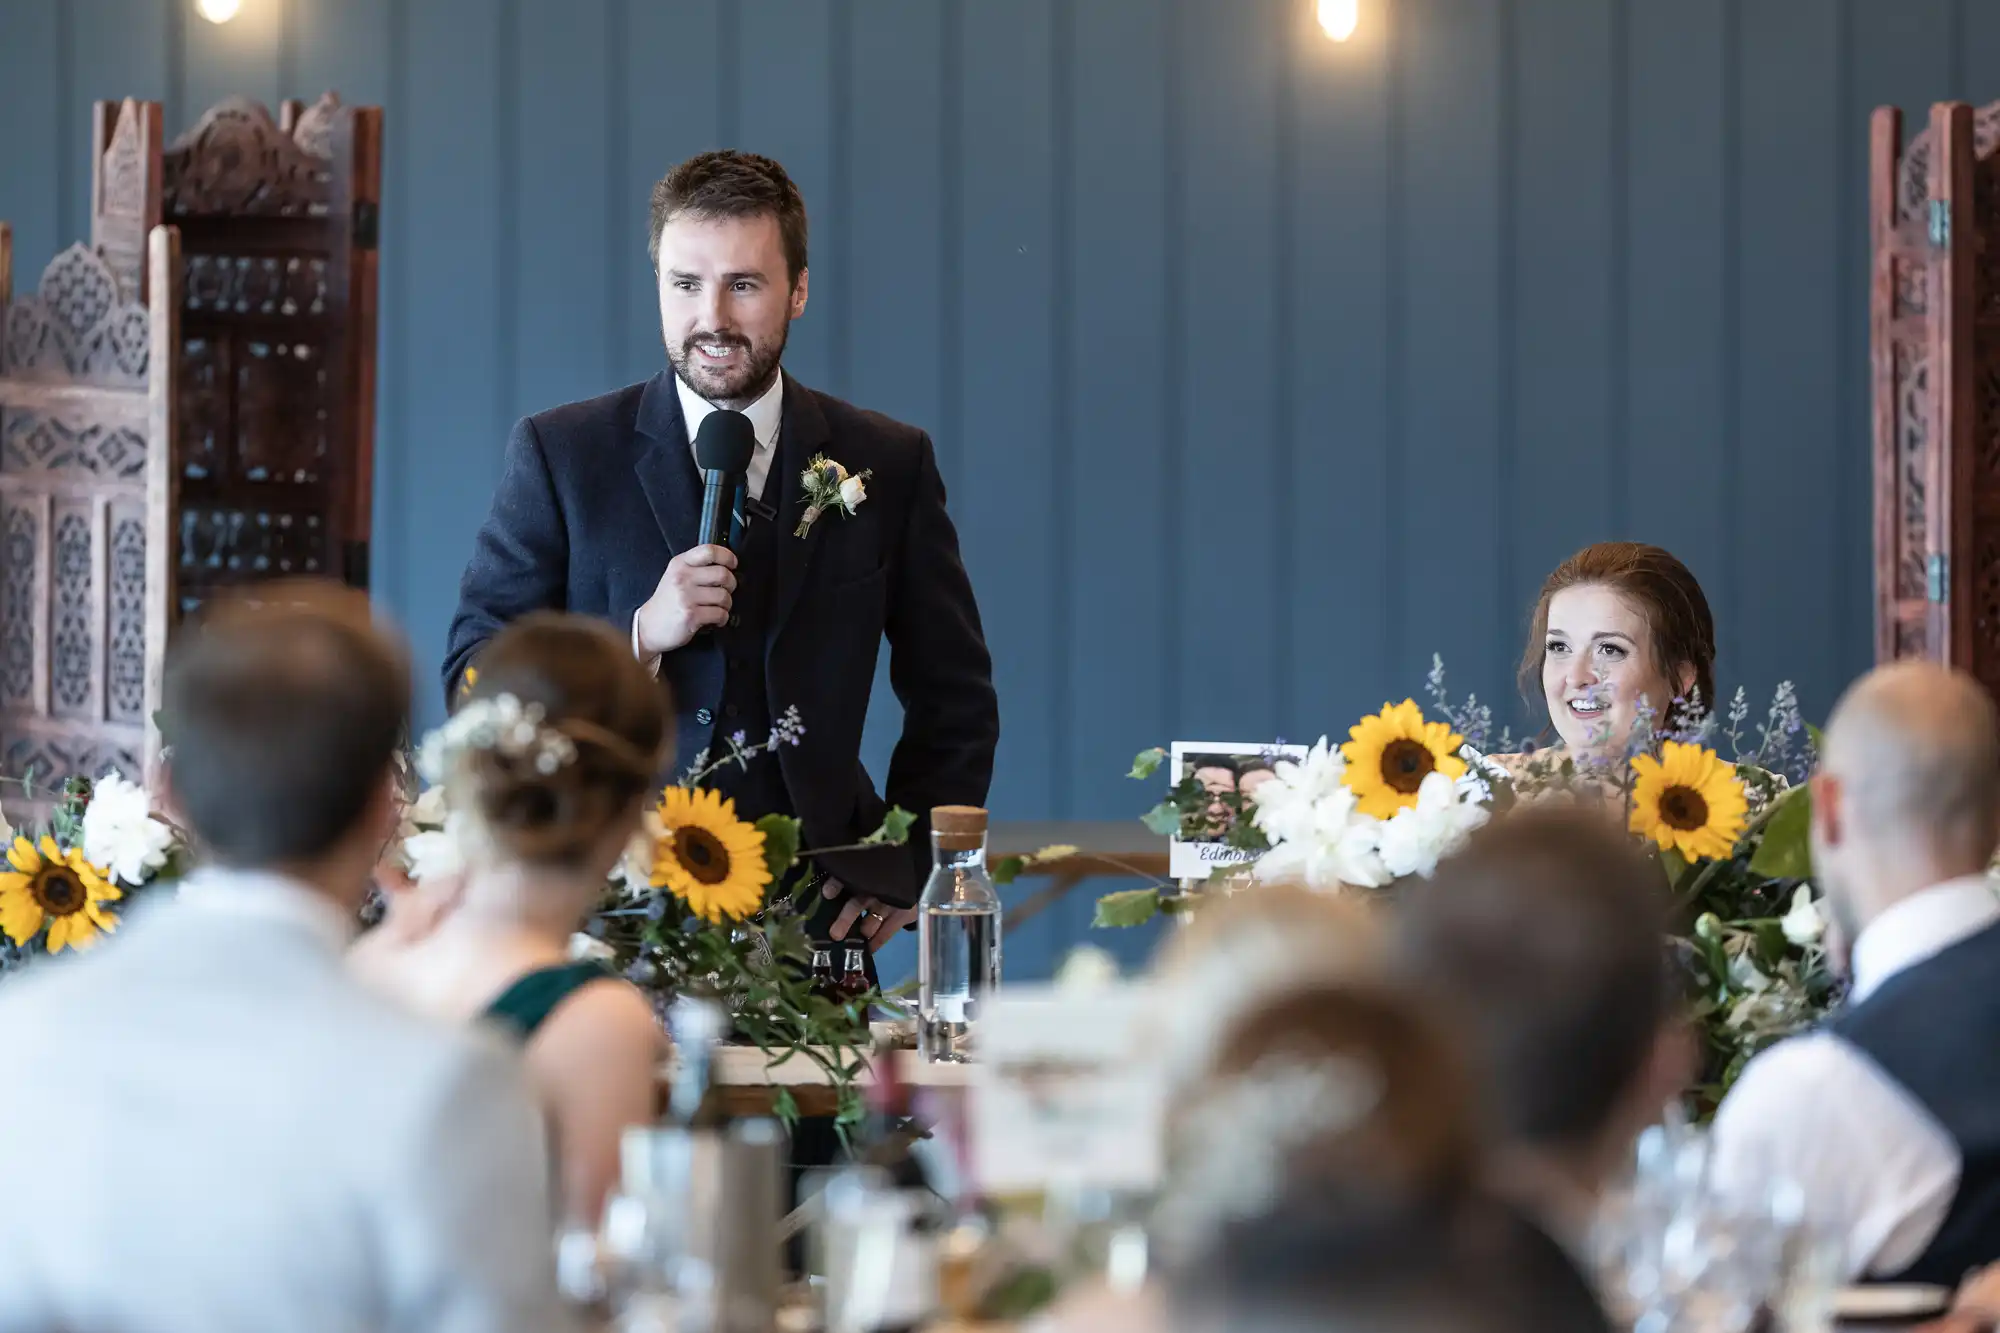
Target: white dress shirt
(268,1144)
(765,415)
(1816,1111)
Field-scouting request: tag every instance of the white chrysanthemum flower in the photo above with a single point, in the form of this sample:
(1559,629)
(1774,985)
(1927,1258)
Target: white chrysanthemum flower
(1357,856)
(582,946)
(1415,839)
(1087,968)
(1804,925)
(120,833)
(426,812)
(1293,805)
(436,853)
(1346,858)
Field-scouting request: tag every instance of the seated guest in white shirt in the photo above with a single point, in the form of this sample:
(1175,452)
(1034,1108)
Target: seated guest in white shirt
(212,1126)
(1541,947)
(1889,1116)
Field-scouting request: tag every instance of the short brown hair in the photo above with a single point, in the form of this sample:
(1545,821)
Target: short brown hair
(732,185)
(582,675)
(285,706)
(1543,944)
(1681,628)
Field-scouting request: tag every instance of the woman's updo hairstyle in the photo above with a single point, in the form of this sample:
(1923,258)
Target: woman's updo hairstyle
(1681,629)
(594,698)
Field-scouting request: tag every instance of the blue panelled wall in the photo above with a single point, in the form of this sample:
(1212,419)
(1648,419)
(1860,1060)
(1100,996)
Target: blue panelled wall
(1260,367)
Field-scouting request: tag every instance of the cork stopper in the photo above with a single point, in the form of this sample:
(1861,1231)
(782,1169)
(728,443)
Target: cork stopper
(958,828)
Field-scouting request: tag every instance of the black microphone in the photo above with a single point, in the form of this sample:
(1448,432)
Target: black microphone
(722,449)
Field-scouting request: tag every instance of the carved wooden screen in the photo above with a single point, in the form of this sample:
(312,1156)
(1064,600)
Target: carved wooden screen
(1935,333)
(86,482)
(277,224)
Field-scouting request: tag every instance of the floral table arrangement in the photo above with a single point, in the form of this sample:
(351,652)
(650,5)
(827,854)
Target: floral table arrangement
(1721,804)
(702,901)
(65,886)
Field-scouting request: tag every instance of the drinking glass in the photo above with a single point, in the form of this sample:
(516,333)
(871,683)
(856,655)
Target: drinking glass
(861,1224)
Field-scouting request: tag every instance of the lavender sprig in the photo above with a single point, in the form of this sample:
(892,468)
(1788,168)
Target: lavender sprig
(1783,746)
(1739,712)
(1473,721)
(789,729)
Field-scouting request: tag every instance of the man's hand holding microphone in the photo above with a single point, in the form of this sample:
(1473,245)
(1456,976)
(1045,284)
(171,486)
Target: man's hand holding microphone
(694,594)
(696,591)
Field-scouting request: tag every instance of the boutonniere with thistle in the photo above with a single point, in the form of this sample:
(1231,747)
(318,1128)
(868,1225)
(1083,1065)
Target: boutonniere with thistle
(828,485)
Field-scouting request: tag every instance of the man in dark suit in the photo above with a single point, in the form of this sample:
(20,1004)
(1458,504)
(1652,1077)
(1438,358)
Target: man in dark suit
(598,509)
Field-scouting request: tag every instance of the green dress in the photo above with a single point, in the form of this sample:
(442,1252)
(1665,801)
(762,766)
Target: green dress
(526,1005)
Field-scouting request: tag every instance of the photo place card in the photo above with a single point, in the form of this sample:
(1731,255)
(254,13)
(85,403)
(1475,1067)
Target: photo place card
(1230,772)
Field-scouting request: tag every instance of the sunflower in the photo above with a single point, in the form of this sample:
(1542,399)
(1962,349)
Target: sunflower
(1392,752)
(46,885)
(710,858)
(1688,799)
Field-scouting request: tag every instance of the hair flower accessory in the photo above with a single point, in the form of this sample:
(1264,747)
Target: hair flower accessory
(828,485)
(501,724)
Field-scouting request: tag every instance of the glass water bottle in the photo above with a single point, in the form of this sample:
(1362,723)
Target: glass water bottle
(958,936)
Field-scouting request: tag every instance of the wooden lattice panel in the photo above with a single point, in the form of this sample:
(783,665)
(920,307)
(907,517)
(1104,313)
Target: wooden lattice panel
(182,407)
(86,482)
(276,370)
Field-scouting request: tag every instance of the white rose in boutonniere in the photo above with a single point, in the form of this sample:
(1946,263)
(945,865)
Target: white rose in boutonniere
(852,492)
(828,485)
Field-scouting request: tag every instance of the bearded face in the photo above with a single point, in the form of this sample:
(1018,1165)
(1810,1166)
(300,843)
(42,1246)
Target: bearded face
(726,304)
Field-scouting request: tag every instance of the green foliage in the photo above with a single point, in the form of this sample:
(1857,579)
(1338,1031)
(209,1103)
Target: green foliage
(1133,907)
(761,968)
(781,844)
(1147,763)
(1785,852)
(1163,819)
(895,830)
(1006,869)
(1676,867)
(1018,1295)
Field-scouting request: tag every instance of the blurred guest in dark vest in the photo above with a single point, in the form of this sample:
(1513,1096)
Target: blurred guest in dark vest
(1542,949)
(1889,1117)
(214,1127)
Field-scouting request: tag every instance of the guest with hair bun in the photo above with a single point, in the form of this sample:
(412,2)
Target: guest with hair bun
(1327,1175)
(547,766)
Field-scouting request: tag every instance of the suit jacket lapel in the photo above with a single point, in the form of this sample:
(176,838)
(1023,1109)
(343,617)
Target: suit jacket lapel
(802,434)
(664,466)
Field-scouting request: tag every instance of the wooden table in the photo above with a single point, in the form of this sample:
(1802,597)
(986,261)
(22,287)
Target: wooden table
(1120,849)
(746,1080)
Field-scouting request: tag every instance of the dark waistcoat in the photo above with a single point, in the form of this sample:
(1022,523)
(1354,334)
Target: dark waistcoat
(1935,1030)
